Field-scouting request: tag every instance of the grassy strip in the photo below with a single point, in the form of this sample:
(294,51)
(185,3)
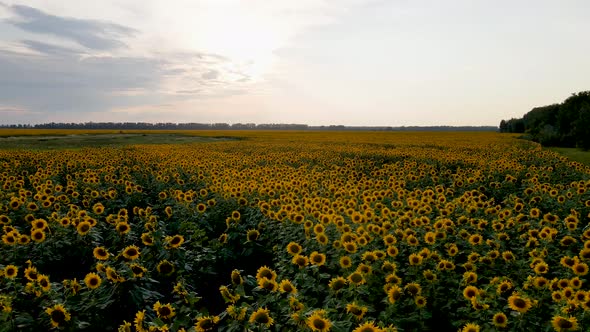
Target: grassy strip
(574,154)
(95,140)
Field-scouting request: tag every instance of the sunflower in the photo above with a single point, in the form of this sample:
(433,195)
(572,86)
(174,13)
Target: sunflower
(414,288)
(131,252)
(10,271)
(567,292)
(268,284)
(470,292)
(31,273)
(504,286)
(137,270)
(429,275)
(557,296)
(125,327)
(101,253)
(32,206)
(164,311)
(300,260)
(541,268)
(470,327)
(58,315)
(227,295)
(201,207)
(123,227)
(562,324)
(575,282)
(222,238)
(350,247)
(285,286)
(389,239)
(470,277)
(236,278)
(475,239)
(206,323)
(24,239)
(113,275)
(165,267)
(358,311)
(173,242)
(500,320)
(43,281)
(316,322)
(317,258)
(415,259)
(540,282)
(10,238)
(98,208)
(262,317)
(420,301)
(364,268)
(367,327)
(147,239)
(235,313)
(38,235)
(345,262)
(356,278)
(293,248)
(266,272)
(394,293)
(392,251)
(39,224)
(252,235)
(322,238)
(337,283)
(295,305)
(518,303)
(452,250)
(83,228)
(92,280)
(580,269)
(139,321)
(388,267)
(508,256)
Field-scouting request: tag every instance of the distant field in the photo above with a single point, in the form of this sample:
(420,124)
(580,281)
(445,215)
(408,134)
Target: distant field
(76,141)
(574,154)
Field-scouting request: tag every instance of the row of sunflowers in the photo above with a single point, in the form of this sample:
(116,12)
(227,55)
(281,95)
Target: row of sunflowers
(296,231)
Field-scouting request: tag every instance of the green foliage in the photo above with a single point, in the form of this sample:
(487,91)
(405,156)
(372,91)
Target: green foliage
(566,124)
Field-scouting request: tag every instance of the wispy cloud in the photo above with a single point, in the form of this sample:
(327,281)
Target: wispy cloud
(13,109)
(93,34)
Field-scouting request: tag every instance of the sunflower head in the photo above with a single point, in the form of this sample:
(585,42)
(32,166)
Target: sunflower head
(316,322)
(519,303)
(92,280)
(164,311)
(261,317)
(562,324)
(206,323)
(58,315)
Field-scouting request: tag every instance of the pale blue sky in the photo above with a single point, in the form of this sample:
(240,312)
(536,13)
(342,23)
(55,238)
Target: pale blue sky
(320,62)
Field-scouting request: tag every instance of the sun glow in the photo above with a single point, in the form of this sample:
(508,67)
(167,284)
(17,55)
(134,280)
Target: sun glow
(247,38)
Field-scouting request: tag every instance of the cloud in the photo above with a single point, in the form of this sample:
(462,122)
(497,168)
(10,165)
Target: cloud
(11,109)
(210,75)
(93,34)
(46,48)
(55,79)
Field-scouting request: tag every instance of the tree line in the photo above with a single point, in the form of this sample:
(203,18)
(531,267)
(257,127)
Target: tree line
(235,126)
(566,124)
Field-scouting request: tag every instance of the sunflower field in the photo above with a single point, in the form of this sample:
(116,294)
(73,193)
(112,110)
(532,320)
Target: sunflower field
(296,231)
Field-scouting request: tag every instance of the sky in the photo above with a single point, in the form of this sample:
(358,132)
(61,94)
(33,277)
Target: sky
(316,62)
